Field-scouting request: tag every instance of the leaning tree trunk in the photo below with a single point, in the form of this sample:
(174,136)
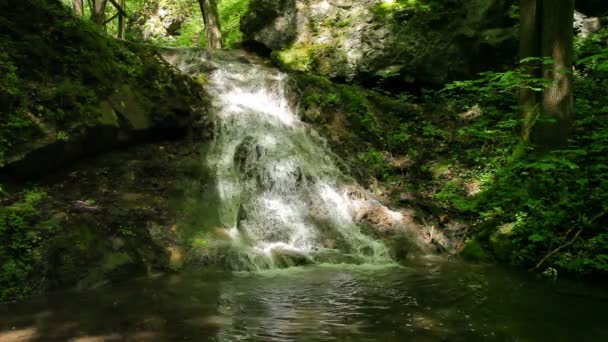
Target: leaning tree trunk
(78,7)
(211,18)
(556,122)
(98,12)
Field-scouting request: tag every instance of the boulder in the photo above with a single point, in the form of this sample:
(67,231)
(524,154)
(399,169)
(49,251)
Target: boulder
(371,40)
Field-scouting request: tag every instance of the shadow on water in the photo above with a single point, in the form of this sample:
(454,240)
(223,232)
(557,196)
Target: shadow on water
(431,300)
(156,309)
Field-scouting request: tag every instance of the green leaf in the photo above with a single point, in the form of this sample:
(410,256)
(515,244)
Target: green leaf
(536,238)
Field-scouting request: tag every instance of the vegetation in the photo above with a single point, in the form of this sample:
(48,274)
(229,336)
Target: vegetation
(546,200)
(464,151)
(52,90)
(21,234)
(170,22)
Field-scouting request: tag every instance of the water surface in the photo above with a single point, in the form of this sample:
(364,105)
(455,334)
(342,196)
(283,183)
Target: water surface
(430,300)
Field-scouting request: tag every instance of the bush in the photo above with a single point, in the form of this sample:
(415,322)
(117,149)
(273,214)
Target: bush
(21,234)
(550,199)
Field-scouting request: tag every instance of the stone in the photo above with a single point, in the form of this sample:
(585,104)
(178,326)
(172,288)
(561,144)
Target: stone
(500,242)
(284,258)
(372,40)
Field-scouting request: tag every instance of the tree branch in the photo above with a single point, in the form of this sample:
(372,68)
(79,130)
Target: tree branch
(111,18)
(119,9)
(576,236)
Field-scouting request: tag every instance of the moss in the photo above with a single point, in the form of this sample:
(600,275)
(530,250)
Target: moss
(500,242)
(299,57)
(57,90)
(396,6)
(474,251)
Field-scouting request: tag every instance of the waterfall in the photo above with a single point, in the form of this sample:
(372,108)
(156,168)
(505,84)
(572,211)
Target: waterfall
(282,198)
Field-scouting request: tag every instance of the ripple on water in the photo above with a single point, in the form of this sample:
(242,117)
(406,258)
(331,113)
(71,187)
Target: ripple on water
(445,301)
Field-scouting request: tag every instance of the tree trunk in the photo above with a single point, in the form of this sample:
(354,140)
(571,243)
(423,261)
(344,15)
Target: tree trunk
(546,31)
(98,12)
(78,7)
(556,122)
(529,46)
(211,18)
(121,21)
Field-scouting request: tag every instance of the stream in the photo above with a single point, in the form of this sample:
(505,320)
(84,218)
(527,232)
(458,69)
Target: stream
(430,299)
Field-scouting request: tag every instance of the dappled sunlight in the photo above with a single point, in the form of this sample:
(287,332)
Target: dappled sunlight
(15,335)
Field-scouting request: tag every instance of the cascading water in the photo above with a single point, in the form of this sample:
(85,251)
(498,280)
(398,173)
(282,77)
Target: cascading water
(281,194)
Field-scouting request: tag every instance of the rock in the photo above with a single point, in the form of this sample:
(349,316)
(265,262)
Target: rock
(127,116)
(550,273)
(284,258)
(585,25)
(272,22)
(500,242)
(334,256)
(371,40)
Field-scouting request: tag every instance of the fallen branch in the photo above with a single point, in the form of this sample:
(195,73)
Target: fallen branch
(576,236)
(542,261)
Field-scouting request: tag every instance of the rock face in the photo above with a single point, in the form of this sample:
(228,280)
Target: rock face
(126,116)
(397,41)
(115,92)
(115,216)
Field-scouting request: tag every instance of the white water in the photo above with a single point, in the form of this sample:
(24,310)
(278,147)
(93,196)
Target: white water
(280,190)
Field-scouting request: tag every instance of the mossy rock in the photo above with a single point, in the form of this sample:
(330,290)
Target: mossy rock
(428,42)
(500,242)
(115,92)
(474,251)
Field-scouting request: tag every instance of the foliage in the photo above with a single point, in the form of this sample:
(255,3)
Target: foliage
(21,233)
(546,197)
(179,23)
(389,7)
(375,161)
(474,251)
(49,90)
(230,12)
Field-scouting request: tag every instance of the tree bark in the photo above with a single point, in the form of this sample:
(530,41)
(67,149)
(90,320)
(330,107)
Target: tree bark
(98,12)
(211,18)
(546,31)
(121,21)
(78,6)
(556,122)
(529,46)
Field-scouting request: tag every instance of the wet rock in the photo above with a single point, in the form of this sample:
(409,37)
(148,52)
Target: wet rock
(334,256)
(500,242)
(283,258)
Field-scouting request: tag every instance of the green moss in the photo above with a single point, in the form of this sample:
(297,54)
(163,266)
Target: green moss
(300,57)
(116,260)
(231,12)
(474,251)
(52,91)
(390,7)
(501,243)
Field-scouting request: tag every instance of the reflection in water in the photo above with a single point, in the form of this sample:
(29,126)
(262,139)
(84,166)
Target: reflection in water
(435,300)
